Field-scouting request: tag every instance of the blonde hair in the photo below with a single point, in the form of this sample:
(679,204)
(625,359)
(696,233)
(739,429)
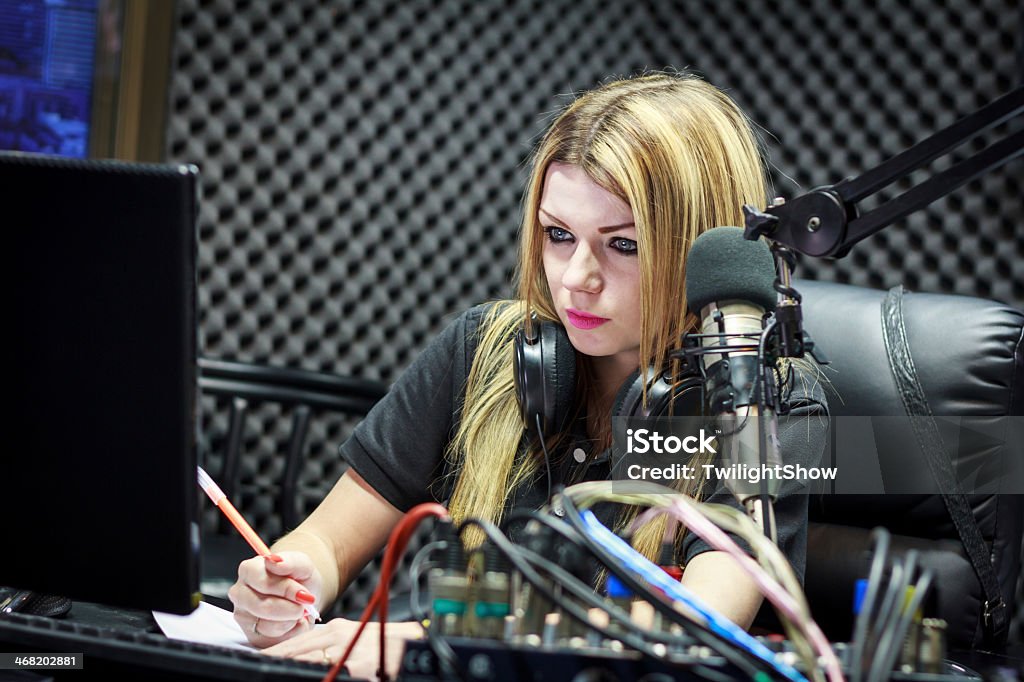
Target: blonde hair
(685,159)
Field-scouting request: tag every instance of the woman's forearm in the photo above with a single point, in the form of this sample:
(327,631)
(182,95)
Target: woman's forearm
(720,582)
(343,533)
(319,551)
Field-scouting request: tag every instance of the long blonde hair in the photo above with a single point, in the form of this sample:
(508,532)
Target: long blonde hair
(684,157)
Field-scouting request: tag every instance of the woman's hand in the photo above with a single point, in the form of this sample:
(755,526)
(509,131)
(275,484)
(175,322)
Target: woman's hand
(271,596)
(326,644)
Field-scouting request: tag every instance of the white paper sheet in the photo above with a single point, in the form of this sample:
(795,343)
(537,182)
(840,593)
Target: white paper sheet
(208,624)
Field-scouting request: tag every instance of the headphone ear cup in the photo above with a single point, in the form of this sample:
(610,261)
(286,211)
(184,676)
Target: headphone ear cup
(527,374)
(660,392)
(544,369)
(560,372)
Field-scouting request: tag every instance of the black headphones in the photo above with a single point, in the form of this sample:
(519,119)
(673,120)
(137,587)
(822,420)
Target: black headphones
(545,378)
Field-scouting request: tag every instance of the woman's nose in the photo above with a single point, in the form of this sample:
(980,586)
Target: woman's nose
(583,272)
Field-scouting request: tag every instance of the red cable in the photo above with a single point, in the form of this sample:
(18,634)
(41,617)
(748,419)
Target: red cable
(371,607)
(397,542)
(409,525)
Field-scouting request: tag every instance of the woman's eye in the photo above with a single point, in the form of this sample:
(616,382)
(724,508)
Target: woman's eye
(557,234)
(624,245)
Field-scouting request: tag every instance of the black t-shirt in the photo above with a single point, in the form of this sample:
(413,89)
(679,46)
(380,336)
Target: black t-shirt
(399,447)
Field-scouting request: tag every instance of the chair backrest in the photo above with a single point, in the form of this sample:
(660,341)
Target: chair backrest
(969,360)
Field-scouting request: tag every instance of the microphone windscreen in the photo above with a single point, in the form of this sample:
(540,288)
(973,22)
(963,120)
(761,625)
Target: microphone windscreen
(723,266)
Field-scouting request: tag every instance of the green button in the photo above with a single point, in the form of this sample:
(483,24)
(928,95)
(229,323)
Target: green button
(485,609)
(444,607)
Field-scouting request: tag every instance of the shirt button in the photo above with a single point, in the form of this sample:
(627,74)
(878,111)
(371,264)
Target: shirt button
(579,455)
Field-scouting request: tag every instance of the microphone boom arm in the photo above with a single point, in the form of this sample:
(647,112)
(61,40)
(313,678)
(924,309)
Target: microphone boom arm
(825,222)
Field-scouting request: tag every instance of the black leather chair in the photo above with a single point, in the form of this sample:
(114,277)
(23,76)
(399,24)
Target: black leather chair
(970,362)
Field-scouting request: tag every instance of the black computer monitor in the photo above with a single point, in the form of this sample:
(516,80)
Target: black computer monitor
(98,481)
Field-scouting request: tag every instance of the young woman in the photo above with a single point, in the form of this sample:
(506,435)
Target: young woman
(623,182)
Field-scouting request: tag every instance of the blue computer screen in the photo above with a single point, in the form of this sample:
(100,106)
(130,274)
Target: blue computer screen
(47,53)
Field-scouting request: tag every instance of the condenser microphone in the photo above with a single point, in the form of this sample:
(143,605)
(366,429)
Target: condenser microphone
(730,282)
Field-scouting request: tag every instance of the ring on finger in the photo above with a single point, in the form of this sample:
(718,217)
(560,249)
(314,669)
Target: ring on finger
(327,658)
(254,624)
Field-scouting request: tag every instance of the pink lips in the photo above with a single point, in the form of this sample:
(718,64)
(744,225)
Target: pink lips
(582,320)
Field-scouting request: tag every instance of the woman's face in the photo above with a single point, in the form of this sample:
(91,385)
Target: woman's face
(591,264)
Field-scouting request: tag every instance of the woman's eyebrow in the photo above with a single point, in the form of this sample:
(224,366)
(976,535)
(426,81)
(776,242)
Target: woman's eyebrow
(602,230)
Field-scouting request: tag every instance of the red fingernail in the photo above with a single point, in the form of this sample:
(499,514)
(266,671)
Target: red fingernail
(305,597)
(276,558)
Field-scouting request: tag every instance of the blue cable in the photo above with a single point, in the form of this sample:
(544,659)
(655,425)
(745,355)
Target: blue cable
(653,574)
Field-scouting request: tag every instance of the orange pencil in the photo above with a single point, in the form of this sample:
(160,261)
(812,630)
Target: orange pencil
(241,525)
